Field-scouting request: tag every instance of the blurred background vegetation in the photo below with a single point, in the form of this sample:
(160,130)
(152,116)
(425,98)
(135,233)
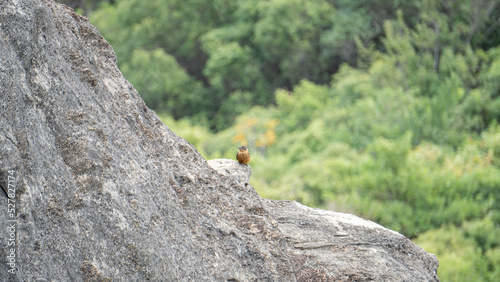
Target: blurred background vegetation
(387,109)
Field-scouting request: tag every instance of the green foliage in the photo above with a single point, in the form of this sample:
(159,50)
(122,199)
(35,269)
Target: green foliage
(467,253)
(176,93)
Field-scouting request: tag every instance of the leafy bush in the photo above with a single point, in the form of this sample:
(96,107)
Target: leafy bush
(467,253)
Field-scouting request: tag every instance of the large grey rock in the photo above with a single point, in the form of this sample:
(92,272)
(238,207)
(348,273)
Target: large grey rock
(106,192)
(239,172)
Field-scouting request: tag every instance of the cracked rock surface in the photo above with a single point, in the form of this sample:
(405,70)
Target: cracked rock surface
(106,192)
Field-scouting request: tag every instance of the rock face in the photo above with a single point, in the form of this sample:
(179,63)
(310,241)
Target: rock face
(231,168)
(104,191)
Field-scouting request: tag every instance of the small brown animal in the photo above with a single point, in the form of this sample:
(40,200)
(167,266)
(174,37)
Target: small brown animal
(243,155)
